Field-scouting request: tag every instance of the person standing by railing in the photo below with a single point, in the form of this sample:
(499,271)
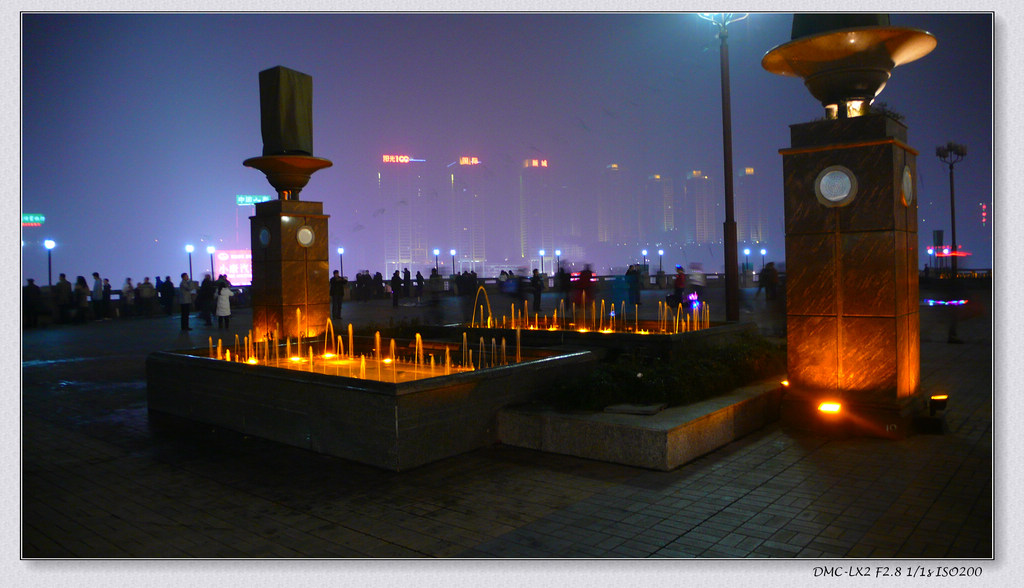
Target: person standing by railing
(185,291)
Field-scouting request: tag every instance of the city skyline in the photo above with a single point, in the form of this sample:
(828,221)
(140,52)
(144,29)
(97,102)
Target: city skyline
(130,156)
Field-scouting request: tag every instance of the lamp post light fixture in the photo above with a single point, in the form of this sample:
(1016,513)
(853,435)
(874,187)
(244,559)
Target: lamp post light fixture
(763,252)
(558,259)
(644,253)
(436,253)
(49,244)
(661,254)
(541,261)
(746,259)
(210,249)
(341,261)
(951,154)
(732,306)
(189,249)
(453,261)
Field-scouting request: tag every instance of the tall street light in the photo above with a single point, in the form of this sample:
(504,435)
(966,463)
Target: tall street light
(210,249)
(189,249)
(763,252)
(341,261)
(453,261)
(436,268)
(541,261)
(644,253)
(558,259)
(952,153)
(50,244)
(732,293)
(746,259)
(661,254)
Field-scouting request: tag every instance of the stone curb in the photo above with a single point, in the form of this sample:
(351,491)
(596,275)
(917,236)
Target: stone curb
(663,441)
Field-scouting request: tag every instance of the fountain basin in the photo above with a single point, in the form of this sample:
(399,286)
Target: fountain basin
(649,344)
(394,426)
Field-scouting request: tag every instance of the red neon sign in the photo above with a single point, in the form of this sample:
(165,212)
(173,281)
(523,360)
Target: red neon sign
(469,161)
(236,264)
(535,163)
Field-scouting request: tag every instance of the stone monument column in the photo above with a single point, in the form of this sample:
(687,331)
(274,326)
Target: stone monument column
(851,231)
(290,293)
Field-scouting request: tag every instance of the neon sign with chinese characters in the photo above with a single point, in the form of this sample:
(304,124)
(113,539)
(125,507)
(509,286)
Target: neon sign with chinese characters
(236,264)
(250,199)
(535,163)
(398,159)
(469,160)
(32,220)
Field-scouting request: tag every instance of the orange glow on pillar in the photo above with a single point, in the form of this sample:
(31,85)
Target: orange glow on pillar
(830,407)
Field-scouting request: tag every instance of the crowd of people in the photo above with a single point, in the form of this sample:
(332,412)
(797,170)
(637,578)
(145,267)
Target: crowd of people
(79,302)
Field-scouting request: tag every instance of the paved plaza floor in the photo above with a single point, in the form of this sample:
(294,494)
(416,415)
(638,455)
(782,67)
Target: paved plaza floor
(100,479)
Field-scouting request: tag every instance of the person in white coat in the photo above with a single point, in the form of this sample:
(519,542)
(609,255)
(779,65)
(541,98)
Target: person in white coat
(223,302)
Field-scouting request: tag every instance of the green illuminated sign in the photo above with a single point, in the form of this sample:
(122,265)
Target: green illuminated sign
(32,220)
(250,199)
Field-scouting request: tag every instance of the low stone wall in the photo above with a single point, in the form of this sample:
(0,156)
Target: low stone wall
(662,441)
(387,425)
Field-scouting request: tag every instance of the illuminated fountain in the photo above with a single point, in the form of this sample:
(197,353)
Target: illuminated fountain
(602,325)
(397,407)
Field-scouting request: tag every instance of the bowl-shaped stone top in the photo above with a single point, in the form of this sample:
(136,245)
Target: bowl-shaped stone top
(848,64)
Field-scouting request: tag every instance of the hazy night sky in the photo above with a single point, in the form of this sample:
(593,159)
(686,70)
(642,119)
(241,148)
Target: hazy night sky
(135,126)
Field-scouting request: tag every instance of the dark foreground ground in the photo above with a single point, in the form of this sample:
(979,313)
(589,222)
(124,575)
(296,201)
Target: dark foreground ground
(100,480)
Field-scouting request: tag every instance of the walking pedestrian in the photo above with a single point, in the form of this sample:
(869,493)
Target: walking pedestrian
(223,302)
(31,304)
(185,290)
(63,298)
(81,298)
(97,296)
(127,298)
(396,288)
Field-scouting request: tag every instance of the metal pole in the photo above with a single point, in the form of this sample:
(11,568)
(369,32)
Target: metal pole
(952,219)
(190,265)
(49,268)
(732,306)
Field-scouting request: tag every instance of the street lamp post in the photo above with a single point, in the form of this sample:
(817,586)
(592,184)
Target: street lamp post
(341,261)
(436,268)
(661,253)
(558,259)
(541,261)
(50,244)
(763,252)
(189,249)
(210,249)
(746,259)
(951,154)
(453,261)
(644,253)
(732,298)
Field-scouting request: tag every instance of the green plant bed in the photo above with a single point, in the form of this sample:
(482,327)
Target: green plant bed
(703,372)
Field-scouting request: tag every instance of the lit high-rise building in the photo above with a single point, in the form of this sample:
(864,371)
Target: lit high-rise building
(617,211)
(536,209)
(750,225)
(400,192)
(701,210)
(466,214)
(658,209)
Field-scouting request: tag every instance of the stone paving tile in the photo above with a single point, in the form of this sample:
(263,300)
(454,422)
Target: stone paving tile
(100,480)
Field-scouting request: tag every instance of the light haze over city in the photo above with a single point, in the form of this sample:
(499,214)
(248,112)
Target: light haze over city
(135,127)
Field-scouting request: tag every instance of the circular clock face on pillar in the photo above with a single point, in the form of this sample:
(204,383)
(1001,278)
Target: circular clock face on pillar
(305,235)
(907,188)
(264,236)
(835,186)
